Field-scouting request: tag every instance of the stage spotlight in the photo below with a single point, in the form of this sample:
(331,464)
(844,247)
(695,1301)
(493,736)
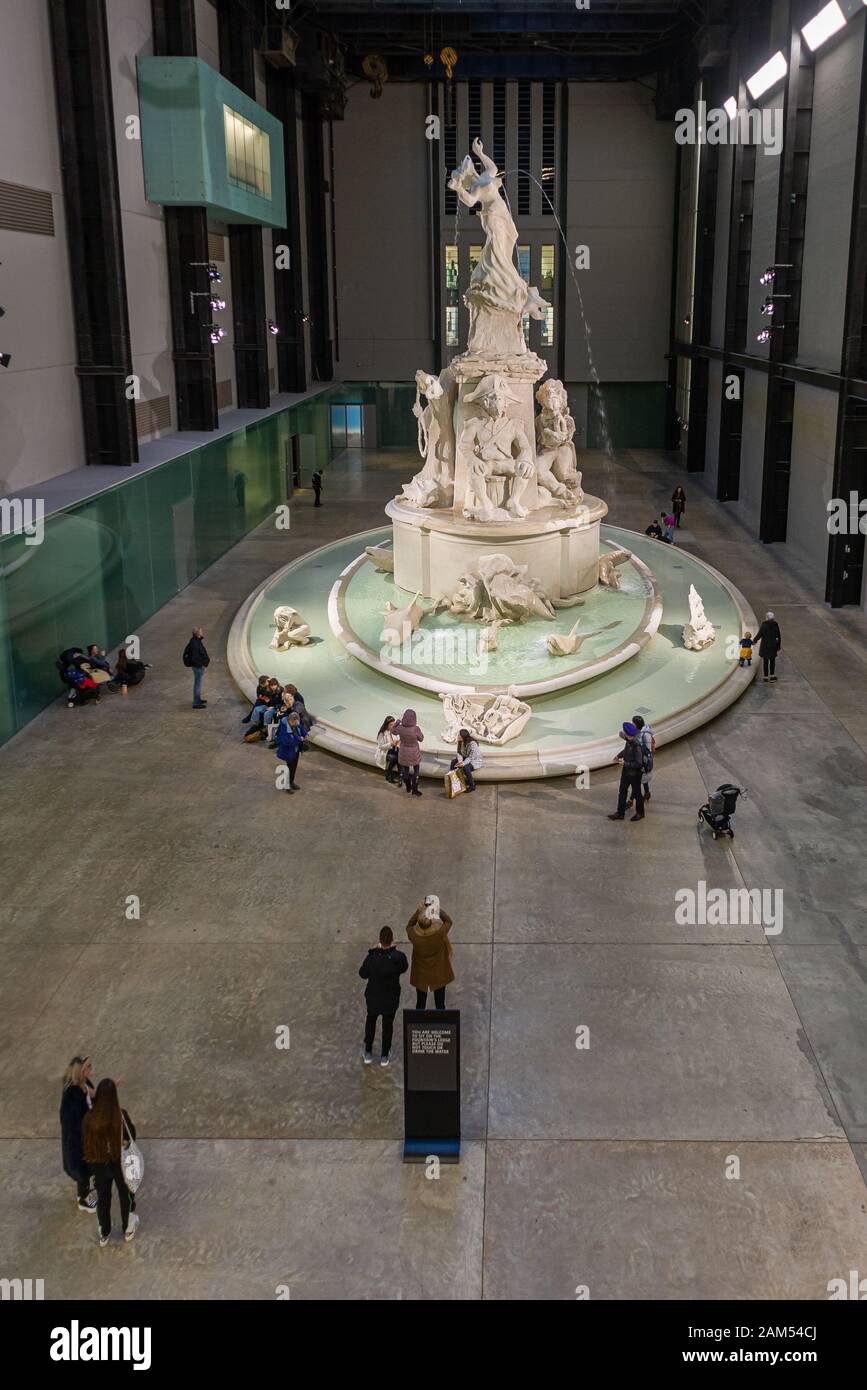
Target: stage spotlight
(730,107)
(770,274)
(764,336)
(768,308)
(772,72)
(272,328)
(216,334)
(5,359)
(217,305)
(821,27)
(213,274)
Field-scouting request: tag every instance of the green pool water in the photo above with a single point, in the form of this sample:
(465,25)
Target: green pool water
(661,680)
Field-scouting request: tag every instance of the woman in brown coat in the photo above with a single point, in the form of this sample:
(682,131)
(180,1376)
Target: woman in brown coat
(428,929)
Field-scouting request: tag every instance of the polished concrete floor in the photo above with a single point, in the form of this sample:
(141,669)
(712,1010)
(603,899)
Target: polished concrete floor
(709,1142)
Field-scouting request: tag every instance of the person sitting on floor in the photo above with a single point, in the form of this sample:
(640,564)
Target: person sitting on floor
(265,711)
(261,693)
(129,671)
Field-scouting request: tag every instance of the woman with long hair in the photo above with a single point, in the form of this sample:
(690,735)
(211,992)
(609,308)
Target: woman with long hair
(386,748)
(107,1132)
(678,504)
(469,758)
(75,1100)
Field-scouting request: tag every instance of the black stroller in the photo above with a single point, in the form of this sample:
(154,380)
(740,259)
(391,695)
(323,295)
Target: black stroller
(719,809)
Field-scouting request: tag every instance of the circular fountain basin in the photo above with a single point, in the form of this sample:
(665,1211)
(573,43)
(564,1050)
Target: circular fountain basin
(569,729)
(446,652)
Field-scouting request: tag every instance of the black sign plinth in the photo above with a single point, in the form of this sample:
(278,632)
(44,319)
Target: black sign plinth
(432,1085)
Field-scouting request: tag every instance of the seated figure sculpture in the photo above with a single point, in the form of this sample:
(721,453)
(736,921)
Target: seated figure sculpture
(292,631)
(556,463)
(495,446)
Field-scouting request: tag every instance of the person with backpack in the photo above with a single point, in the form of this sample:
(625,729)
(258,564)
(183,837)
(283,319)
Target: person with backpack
(646,737)
(382,968)
(196,657)
(75,1102)
(632,761)
(107,1131)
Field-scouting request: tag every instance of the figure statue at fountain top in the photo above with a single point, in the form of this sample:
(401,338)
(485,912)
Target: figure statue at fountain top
(497,295)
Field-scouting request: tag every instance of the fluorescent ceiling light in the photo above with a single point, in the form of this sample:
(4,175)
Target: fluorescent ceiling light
(731,107)
(820,28)
(768,76)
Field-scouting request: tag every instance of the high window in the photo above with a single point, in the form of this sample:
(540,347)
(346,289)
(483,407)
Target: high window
(248,154)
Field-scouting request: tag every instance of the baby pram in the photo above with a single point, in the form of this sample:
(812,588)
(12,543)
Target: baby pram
(80,688)
(719,809)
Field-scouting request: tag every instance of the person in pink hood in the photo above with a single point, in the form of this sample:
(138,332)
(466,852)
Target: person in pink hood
(409,753)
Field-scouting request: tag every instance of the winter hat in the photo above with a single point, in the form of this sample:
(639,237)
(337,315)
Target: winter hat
(629,730)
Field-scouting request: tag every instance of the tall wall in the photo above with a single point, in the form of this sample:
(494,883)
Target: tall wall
(130,36)
(40,413)
(41,432)
(620,203)
(830,188)
(382,254)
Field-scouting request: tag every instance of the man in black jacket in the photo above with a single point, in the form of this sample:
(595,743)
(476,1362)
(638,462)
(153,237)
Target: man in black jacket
(197,658)
(382,969)
(632,769)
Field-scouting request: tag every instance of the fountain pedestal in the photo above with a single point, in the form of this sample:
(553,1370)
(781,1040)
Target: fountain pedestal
(433,548)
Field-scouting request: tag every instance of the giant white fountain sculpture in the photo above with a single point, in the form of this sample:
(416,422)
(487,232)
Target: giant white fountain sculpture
(495,478)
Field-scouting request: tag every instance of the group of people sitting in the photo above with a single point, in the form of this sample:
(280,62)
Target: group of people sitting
(275,702)
(85,673)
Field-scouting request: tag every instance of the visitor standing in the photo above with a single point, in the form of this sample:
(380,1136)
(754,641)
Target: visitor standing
(317,488)
(75,1101)
(631,771)
(382,968)
(645,737)
(469,758)
(678,504)
(409,752)
(770,640)
(107,1131)
(663,523)
(290,738)
(428,930)
(196,657)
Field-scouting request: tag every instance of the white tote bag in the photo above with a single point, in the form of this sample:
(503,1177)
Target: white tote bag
(131,1160)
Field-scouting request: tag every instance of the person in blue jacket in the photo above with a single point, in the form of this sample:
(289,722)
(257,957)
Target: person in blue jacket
(290,737)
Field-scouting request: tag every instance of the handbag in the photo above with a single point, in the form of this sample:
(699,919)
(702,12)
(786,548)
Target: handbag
(131,1159)
(455,783)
